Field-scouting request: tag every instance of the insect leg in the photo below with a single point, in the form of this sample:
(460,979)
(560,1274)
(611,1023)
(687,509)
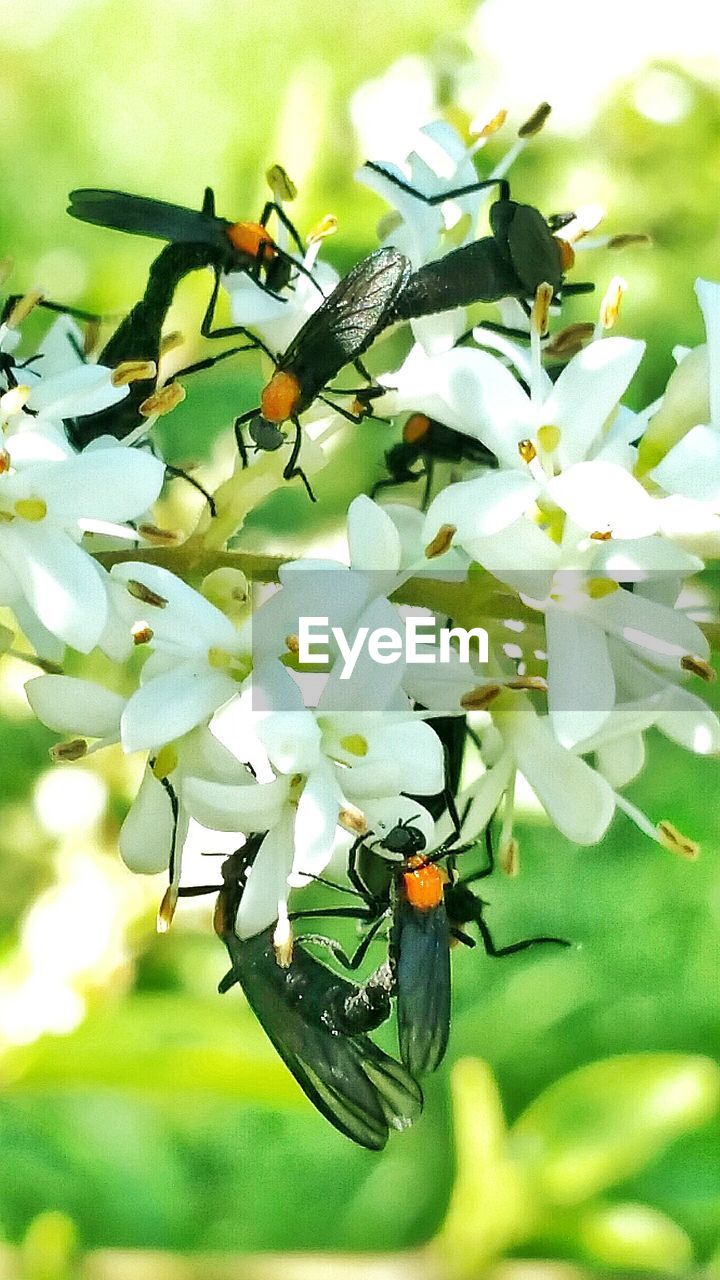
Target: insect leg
(454,193)
(183,475)
(292,470)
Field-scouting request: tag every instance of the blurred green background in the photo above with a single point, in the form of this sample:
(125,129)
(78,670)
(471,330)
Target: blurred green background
(138,1109)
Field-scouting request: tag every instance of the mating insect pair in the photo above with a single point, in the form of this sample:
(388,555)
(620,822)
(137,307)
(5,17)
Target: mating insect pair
(381,290)
(319,1021)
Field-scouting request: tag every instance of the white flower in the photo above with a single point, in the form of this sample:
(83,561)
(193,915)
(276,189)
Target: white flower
(156,826)
(197,661)
(48,495)
(276,320)
(684,433)
(439,162)
(319,763)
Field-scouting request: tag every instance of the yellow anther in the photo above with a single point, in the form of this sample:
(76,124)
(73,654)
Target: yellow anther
(166,910)
(73,750)
(13,401)
(598,588)
(610,305)
(569,340)
(141,633)
(527,450)
(352,820)
(699,667)
(481,697)
(292,643)
(159,537)
(628,238)
(170,341)
(548,438)
(139,591)
(509,857)
(133,371)
(33,509)
(441,542)
(676,842)
(163,401)
(354,744)
(541,308)
(601,535)
(281,185)
(23,307)
(327,226)
(490,127)
(531,684)
(535,122)
(4,462)
(165,761)
(283,942)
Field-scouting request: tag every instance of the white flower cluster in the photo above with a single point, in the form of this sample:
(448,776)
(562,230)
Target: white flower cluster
(574,551)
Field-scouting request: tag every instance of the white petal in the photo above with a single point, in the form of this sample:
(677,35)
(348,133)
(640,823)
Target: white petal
(690,721)
(581,684)
(371,685)
(521,555)
(69,705)
(663,635)
(692,467)
(59,582)
(107,484)
(315,825)
(85,389)
(602,497)
(372,537)
(291,739)
(267,882)
(171,705)
(482,507)
(588,390)
(146,835)
(708,295)
(227,807)
(623,761)
(187,620)
(576,798)
(415,747)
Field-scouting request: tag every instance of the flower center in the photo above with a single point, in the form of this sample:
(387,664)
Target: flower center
(33,509)
(355,744)
(165,761)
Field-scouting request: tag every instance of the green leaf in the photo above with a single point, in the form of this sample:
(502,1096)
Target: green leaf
(160,1043)
(636,1236)
(606,1120)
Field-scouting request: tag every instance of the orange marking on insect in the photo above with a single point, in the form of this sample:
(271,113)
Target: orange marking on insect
(280,398)
(417,426)
(253,239)
(567,253)
(423,884)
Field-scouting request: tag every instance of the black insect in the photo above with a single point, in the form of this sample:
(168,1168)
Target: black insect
(338,333)
(235,246)
(427,908)
(428,441)
(317,1022)
(521,253)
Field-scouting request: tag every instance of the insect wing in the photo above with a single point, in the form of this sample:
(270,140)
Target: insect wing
(143,216)
(347,322)
(421,943)
(357,1087)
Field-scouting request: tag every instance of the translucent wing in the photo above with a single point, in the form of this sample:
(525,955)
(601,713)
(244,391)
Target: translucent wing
(143,216)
